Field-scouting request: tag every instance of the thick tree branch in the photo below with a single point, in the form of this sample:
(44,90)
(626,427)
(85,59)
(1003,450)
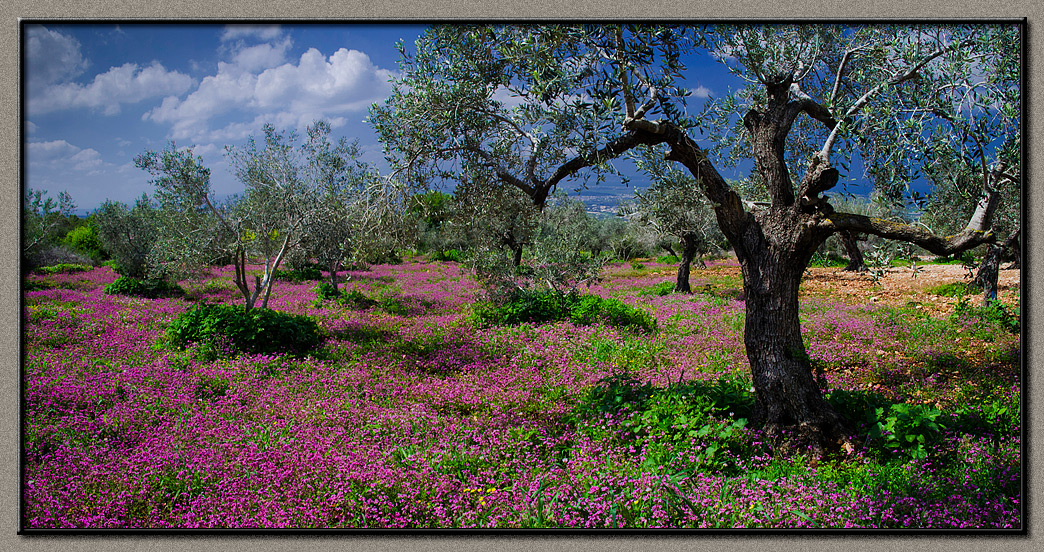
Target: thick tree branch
(805,103)
(950,245)
(613,149)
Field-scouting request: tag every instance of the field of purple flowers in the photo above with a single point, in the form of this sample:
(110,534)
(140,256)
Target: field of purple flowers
(411,416)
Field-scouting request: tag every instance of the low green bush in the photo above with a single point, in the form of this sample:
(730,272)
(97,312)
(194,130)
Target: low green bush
(325,292)
(63,268)
(36,285)
(448,255)
(828,260)
(84,238)
(994,312)
(152,289)
(660,290)
(256,331)
(582,310)
(356,299)
(704,420)
(954,289)
(891,428)
(304,274)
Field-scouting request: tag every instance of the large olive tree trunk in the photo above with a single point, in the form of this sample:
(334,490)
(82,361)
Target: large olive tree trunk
(787,397)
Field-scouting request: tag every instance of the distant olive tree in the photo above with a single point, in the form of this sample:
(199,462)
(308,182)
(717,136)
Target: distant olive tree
(674,206)
(355,214)
(43,220)
(128,236)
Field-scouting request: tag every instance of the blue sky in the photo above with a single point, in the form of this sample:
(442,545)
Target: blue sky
(97,95)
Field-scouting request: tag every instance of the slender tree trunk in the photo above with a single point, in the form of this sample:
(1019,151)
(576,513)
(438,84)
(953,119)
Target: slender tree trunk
(989,270)
(688,252)
(855,256)
(334,266)
(516,258)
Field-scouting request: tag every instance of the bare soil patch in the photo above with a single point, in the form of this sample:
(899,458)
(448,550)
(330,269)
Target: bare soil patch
(899,286)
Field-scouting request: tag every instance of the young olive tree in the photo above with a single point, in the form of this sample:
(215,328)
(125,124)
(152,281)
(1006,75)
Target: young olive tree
(816,96)
(354,213)
(674,206)
(291,193)
(42,222)
(128,236)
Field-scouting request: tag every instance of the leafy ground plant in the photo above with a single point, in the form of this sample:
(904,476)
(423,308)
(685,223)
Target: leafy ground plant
(254,331)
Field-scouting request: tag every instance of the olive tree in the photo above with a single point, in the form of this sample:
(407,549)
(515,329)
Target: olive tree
(816,97)
(128,235)
(507,101)
(42,221)
(958,181)
(674,206)
(353,213)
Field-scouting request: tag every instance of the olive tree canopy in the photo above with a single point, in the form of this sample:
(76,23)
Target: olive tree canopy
(534,104)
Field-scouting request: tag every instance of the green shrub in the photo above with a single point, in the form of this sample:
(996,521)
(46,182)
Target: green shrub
(612,394)
(635,265)
(582,310)
(325,292)
(829,260)
(84,238)
(36,285)
(661,289)
(152,289)
(704,421)
(994,312)
(448,255)
(668,259)
(256,331)
(991,414)
(63,268)
(394,305)
(954,289)
(907,428)
(355,299)
(306,273)
(590,309)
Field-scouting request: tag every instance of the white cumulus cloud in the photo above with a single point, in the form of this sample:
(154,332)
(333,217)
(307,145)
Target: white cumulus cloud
(263,32)
(289,94)
(51,56)
(128,83)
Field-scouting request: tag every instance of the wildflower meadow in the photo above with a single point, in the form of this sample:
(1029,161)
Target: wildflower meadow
(411,412)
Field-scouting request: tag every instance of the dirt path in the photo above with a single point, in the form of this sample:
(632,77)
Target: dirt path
(899,286)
